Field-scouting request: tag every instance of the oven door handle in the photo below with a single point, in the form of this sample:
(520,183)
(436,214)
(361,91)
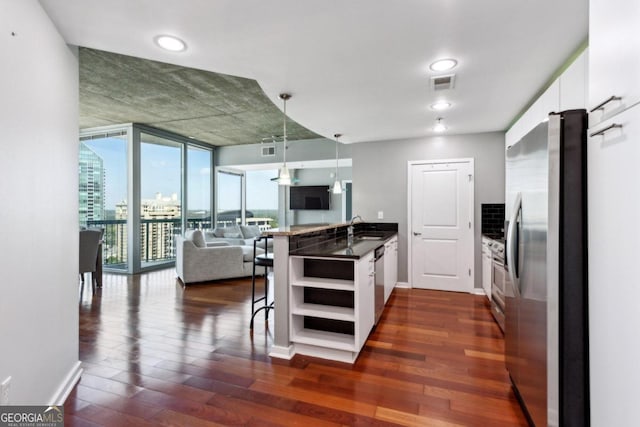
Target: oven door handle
(512,242)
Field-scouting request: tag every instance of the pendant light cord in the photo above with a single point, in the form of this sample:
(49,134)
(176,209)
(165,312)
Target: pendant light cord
(284,138)
(337,157)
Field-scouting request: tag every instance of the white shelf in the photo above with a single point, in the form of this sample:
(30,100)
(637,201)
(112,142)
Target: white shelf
(332,340)
(317,282)
(325,312)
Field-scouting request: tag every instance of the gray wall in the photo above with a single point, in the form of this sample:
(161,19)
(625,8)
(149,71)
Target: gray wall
(320,176)
(380,179)
(39,216)
(311,149)
(307,150)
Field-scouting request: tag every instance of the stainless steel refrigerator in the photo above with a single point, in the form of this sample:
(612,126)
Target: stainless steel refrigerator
(546,330)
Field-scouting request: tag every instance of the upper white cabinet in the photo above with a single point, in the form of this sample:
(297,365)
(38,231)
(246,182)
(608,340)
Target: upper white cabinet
(573,84)
(614,57)
(567,92)
(547,102)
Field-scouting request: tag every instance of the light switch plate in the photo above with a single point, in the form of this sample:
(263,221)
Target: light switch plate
(380,215)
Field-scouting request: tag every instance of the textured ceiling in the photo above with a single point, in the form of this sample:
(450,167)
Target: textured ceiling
(215,108)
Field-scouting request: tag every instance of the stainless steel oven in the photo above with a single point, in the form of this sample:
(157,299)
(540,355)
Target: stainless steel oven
(498,280)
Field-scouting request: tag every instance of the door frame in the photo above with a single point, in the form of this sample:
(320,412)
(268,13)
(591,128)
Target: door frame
(344,200)
(472,212)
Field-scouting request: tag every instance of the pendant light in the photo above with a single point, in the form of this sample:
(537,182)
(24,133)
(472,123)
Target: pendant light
(337,188)
(284,178)
(439,127)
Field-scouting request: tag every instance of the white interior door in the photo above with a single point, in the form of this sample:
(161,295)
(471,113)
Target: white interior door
(441,225)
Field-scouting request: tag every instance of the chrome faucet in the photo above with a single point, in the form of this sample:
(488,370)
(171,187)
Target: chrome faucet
(350,230)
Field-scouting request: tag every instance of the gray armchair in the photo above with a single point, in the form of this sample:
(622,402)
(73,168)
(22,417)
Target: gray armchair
(90,240)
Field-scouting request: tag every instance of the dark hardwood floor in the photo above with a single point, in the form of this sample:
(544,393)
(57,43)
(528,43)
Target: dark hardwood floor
(155,353)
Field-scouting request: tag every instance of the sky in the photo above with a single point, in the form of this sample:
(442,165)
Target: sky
(161,173)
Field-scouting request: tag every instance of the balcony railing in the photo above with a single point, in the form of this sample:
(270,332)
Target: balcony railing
(157,239)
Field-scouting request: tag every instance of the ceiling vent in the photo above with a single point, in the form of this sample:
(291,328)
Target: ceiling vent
(443,82)
(268,149)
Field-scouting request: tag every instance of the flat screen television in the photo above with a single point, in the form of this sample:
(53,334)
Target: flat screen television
(309,197)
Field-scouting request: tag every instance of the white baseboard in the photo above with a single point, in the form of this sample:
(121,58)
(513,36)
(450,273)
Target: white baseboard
(404,285)
(280,352)
(67,385)
(478,291)
(327,353)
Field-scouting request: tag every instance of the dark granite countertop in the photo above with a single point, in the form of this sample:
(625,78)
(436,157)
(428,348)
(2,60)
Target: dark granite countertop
(339,248)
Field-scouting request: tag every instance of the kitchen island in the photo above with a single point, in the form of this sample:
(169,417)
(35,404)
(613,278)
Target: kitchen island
(324,279)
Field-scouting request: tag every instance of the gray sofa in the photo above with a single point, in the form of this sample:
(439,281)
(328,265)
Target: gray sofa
(199,261)
(239,235)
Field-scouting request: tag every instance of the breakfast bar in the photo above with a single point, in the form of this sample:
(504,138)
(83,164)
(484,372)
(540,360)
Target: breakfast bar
(325,287)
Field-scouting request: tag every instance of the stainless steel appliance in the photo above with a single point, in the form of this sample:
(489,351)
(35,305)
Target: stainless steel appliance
(379,282)
(546,338)
(497,281)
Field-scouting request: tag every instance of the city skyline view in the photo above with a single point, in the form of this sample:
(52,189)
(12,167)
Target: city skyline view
(161,173)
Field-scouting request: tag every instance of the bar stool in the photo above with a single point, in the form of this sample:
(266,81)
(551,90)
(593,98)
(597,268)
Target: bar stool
(263,260)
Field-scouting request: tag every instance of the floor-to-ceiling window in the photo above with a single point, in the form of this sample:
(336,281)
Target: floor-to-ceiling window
(160,198)
(103,192)
(137,183)
(199,191)
(262,198)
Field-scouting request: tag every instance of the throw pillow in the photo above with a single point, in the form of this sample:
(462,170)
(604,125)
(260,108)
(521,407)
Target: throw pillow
(198,239)
(250,231)
(218,232)
(232,232)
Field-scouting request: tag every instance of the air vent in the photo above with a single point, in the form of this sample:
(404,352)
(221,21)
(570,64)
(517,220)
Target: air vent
(268,150)
(443,82)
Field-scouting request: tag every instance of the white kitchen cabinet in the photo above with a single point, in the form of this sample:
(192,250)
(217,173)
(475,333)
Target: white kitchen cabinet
(569,91)
(390,266)
(365,298)
(547,102)
(486,267)
(573,84)
(614,291)
(331,317)
(614,56)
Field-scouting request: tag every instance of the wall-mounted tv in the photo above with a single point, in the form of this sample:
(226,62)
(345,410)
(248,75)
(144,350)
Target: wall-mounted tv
(309,197)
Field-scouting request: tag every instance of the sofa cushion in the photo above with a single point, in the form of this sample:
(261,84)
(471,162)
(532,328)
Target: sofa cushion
(218,232)
(216,244)
(196,237)
(247,253)
(250,231)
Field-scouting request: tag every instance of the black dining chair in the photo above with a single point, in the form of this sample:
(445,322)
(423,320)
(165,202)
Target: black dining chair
(89,245)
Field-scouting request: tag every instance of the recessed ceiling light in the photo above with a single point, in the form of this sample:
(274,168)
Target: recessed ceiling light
(443,64)
(439,127)
(171,43)
(441,105)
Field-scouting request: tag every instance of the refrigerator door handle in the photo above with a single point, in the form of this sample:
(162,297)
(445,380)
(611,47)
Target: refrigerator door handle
(512,237)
